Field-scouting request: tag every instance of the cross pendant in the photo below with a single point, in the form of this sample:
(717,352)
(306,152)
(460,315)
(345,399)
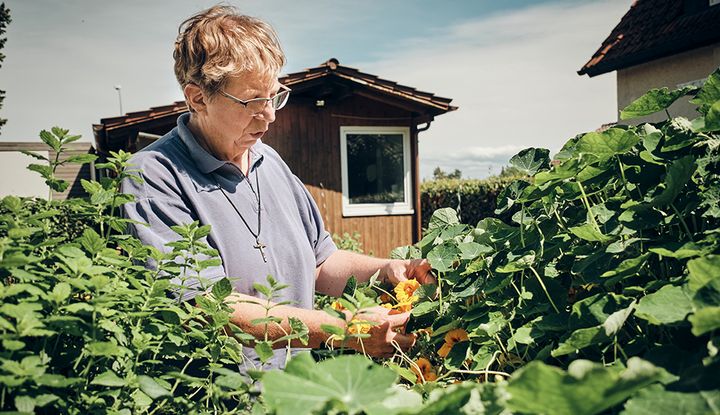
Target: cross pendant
(260,246)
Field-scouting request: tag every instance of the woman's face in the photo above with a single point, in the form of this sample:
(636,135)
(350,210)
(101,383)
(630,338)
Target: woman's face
(227,128)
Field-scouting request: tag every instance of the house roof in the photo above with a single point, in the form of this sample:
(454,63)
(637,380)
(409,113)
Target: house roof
(332,69)
(653,29)
(112,132)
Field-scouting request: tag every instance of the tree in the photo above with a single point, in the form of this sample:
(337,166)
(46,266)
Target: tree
(439,174)
(4,22)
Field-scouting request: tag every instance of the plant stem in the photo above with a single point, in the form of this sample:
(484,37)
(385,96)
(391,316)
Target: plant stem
(587,206)
(542,284)
(682,221)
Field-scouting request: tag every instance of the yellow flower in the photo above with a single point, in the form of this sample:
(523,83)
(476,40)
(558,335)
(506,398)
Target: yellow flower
(337,306)
(358,326)
(387,305)
(427,370)
(405,290)
(451,338)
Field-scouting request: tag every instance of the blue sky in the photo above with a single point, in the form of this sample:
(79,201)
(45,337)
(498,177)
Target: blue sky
(509,65)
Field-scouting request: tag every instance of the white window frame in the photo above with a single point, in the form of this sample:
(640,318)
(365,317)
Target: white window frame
(376,209)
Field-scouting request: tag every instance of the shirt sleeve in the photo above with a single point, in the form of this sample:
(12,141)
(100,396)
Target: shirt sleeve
(319,237)
(158,205)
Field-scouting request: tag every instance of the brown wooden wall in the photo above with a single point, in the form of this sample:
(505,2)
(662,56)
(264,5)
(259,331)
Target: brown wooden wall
(308,139)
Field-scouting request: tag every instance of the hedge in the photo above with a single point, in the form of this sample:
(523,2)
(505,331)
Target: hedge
(473,199)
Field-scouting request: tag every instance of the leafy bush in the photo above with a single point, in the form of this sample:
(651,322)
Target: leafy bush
(473,199)
(612,255)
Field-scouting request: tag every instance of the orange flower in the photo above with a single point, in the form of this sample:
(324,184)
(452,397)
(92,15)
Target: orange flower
(385,298)
(337,306)
(405,290)
(427,370)
(451,338)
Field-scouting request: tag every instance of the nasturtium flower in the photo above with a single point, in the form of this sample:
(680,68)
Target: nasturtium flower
(337,306)
(358,326)
(402,307)
(405,290)
(451,338)
(426,368)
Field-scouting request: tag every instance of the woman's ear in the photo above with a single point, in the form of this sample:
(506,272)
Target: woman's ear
(195,98)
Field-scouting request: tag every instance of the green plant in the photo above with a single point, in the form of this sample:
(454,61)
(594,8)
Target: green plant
(611,254)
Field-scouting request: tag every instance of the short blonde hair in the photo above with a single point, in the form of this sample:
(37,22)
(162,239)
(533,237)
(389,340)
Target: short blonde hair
(220,42)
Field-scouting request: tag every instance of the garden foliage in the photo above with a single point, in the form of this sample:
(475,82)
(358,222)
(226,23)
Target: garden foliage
(600,293)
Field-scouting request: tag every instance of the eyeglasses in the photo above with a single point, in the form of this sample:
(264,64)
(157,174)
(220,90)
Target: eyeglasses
(257,105)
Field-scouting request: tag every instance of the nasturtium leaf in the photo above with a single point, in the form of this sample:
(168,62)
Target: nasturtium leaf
(678,174)
(151,387)
(608,143)
(443,217)
(531,160)
(712,118)
(590,233)
(709,93)
(350,383)
(653,101)
(443,257)
(670,304)
(625,269)
(679,250)
(457,356)
(587,388)
(424,308)
(517,264)
(580,339)
(350,286)
(654,400)
(616,320)
(704,271)
(471,250)
(705,320)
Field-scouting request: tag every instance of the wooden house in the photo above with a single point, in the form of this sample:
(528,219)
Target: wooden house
(351,137)
(660,43)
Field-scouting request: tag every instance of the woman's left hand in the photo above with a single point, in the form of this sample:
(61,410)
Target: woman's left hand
(397,270)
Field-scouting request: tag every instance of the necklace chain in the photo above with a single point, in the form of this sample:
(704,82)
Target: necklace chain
(258,245)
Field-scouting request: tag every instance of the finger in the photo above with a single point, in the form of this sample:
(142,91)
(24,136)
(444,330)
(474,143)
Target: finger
(398,320)
(404,341)
(427,278)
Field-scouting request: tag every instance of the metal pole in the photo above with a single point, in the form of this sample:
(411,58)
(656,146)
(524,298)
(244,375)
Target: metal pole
(118,88)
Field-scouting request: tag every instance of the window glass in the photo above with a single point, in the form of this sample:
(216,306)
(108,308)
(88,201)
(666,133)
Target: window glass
(375,168)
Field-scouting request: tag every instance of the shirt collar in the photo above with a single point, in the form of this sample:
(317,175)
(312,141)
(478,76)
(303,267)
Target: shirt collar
(205,161)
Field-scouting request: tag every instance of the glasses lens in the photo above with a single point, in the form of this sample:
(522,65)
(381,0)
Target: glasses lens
(280,99)
(256,107)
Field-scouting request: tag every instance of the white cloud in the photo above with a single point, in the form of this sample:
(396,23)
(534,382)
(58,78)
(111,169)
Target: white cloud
(513,75)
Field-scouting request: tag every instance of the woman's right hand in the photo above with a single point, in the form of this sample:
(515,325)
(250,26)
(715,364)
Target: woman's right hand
(388,329)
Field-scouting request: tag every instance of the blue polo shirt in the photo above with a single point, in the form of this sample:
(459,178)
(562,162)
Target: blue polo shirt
(183,183)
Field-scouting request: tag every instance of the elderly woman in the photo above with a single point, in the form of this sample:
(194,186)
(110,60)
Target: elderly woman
(214,169)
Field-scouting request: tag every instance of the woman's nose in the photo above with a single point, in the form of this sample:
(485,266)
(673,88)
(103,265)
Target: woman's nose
(267,114)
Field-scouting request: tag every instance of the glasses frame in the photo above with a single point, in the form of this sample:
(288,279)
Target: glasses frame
(283,89)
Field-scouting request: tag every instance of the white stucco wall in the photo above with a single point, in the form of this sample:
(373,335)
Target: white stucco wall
(16,179)
(668,72)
